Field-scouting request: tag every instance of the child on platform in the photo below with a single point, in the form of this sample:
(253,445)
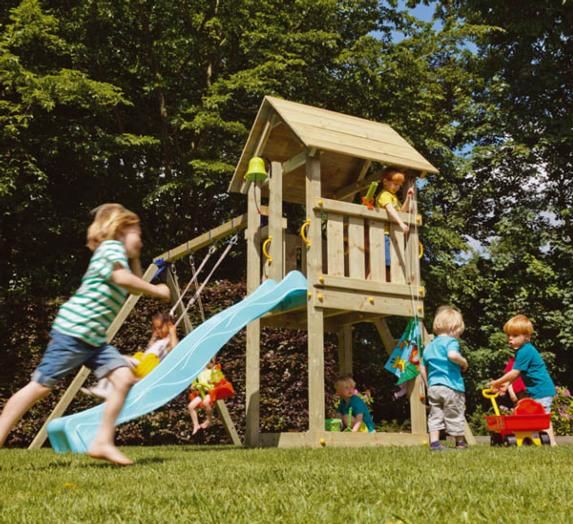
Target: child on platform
(78,335)
(529,365)
(209,386)
(441,368)
(392,180)
(163,340)
(351,404)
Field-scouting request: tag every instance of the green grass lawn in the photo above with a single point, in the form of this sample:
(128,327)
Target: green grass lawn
(226,485)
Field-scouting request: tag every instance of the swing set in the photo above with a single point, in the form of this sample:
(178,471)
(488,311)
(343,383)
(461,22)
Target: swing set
(164,267)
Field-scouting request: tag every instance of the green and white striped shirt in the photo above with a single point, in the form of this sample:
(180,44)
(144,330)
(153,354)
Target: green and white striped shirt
(90,311)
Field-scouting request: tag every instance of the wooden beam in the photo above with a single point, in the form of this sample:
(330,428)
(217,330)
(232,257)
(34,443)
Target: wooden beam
(341,439)
(385,334)
(328,205)
(348,300)
(366,286)
(228,423)
(292,164)
(348,192)
(206,239)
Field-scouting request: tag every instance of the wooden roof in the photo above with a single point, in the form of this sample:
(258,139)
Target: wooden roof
(283,129)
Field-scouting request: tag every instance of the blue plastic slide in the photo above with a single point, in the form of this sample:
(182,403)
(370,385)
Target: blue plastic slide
(178,369)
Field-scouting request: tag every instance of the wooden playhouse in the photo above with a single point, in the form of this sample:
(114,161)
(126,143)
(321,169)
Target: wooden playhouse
(320,160)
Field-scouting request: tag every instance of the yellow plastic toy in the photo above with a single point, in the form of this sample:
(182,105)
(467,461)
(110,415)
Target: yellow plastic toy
(146,364)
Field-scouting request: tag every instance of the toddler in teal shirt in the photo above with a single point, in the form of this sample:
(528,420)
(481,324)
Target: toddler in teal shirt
(528,365)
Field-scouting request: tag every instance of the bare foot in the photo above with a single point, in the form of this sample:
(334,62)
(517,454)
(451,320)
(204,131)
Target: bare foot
(205,424)
(196,429)
(110,453)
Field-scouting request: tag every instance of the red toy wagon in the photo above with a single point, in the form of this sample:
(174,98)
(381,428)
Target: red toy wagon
(522,428)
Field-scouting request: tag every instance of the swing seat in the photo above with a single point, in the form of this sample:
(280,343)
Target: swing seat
(222,390)
(146,364)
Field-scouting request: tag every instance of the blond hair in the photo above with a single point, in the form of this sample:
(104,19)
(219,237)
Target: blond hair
(448,321)
(344,380)
(518,325)
(394,175)
(109,221)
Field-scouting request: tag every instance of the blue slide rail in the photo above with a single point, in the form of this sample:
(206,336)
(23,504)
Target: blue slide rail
(178,369)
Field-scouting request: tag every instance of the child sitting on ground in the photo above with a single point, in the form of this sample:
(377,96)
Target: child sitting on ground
(529,365)
(441,368)
(209,386)
(351,404)
(163,340)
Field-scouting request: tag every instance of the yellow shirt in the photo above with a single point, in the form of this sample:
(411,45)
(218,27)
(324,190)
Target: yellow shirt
(386,198)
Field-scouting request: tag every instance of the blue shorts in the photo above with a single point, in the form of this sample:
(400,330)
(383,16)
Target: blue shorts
(387,249)
(546,403)
(65,353)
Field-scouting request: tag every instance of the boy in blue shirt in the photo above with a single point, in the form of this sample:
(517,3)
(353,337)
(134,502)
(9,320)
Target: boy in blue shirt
(441,368)
(349,400)
(528,365)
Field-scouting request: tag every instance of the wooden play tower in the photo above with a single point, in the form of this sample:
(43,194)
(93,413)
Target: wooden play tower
(321,160)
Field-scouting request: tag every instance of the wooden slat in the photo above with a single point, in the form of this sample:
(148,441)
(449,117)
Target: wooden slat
(366,286)
(335,245)
(345,349)
(377,252)
(389,143)
(365,153)
(336,439)
(347,209)
(348,300)
(397,255)
(228,423)
(356,254)
(317,122)
(275,268)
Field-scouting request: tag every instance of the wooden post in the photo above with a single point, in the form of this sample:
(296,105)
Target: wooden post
(173,284)
(345,350)
(314,315)
(275,268)
(84,372)
(252,385)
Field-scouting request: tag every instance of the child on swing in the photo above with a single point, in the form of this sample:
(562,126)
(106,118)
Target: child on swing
(78,335)
(163,340)
(209,386)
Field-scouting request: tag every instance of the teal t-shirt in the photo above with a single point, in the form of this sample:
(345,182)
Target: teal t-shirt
(440,369)
(359,407)
(534,372)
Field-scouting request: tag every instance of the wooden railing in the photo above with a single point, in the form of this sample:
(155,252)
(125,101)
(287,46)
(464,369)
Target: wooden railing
(355,245)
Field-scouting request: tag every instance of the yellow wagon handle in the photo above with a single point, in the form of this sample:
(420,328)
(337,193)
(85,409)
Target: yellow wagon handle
(420,250)
(492,395)
(303,230)
(266,249)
